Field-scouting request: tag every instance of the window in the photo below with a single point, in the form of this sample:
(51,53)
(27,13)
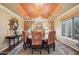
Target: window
(66,28)
(70,28)
(63,28)
(76,28)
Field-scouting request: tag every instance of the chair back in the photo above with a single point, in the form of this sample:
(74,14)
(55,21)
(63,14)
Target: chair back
(36,38)
(51,37)
(25,36)
(42,31)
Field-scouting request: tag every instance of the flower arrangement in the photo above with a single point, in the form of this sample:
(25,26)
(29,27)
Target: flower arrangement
(13,23)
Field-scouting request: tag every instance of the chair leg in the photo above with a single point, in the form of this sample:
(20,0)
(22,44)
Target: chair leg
(30,43)
(40,49)
(32,50)
(24,46)
(54,47)
(48,50)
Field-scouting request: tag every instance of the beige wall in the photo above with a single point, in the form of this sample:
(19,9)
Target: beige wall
(67,15)
(5,15)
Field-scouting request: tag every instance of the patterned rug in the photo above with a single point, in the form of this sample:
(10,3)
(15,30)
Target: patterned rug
(60,50)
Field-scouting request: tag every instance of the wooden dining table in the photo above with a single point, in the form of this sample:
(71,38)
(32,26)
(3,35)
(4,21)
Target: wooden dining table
(44,38)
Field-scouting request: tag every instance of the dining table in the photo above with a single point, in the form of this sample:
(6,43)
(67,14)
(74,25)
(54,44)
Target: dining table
(44,38)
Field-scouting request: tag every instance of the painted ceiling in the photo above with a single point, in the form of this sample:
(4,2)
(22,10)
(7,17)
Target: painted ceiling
(38,9)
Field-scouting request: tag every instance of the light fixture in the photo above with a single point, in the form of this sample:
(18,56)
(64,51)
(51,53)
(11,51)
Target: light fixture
(39,4)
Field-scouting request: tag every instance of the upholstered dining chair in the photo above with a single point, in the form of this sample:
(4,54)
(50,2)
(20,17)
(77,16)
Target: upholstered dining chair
(51,41)
(24,39)
(36,40)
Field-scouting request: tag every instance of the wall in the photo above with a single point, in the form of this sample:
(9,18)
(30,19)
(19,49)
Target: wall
(65,16)
(5,15)
(58,27)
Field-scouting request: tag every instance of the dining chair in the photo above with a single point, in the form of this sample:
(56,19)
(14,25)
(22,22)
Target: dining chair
(36,40)
(24,39)
(51,41)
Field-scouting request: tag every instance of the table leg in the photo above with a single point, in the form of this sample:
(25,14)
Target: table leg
(9,42)
(14,42)
(18,39)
